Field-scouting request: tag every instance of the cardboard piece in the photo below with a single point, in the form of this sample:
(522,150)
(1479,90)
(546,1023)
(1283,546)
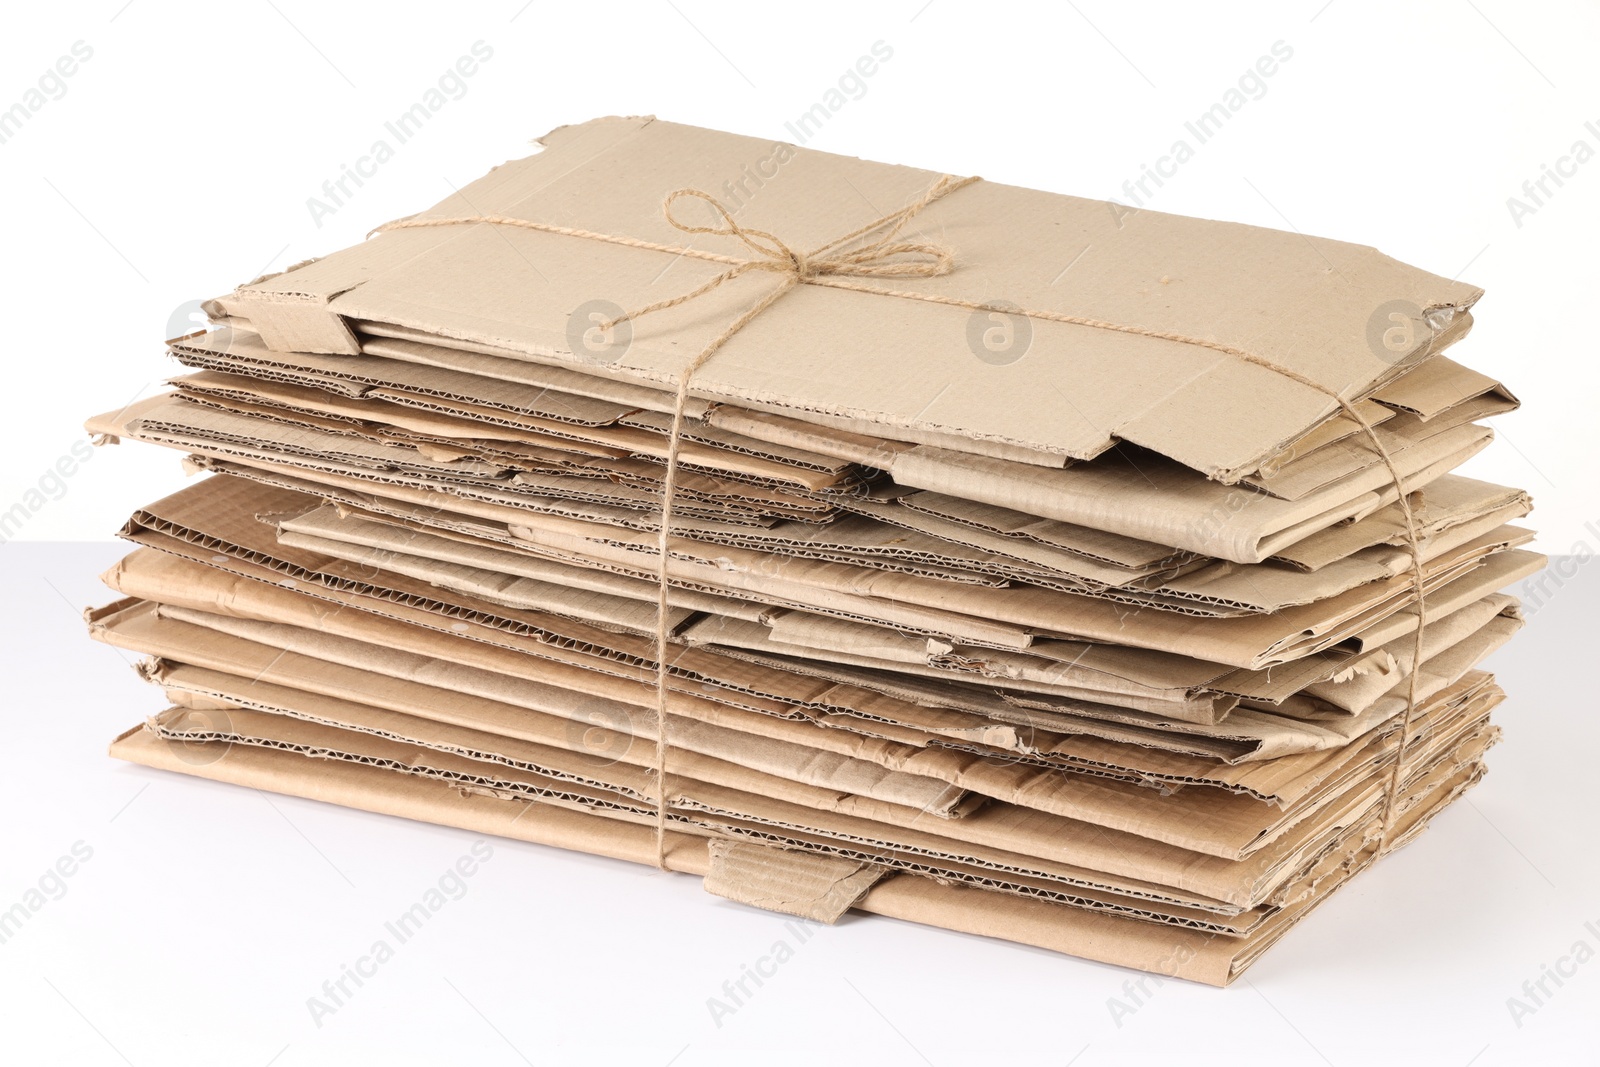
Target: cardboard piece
(818,888)
(1276,296)
(789,703)
(275,655)
(1108,644)
(212,526)
(996,848)
(1104,936)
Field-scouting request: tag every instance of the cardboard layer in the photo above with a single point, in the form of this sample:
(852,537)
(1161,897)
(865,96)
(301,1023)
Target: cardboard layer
(275,655)
(878,538)
(1271,293)
(1009,761)
(994,847)
(386,417)
(1152,681)
(1150,499)
(211,529)
(404,398)
(1099,936)
(1022,762)
(1232,824)
(1017,617)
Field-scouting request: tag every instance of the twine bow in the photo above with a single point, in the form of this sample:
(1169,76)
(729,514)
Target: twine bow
(882,256)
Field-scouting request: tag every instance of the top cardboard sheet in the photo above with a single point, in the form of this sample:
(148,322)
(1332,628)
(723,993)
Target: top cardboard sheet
(1340,314)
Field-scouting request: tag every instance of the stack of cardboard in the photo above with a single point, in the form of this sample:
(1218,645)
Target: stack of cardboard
(1087,634)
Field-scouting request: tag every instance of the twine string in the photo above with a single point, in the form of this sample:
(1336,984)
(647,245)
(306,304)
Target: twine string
(868,252)
(878,258)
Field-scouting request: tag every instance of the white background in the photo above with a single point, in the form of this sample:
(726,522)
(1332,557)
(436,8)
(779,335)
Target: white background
(178,162)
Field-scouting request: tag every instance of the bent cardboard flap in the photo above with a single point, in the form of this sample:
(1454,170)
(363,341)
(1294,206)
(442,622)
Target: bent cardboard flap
(900,359)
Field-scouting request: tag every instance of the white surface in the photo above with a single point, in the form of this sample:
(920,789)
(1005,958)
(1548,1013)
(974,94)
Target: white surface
(181,157)
(178,163)
(208,915)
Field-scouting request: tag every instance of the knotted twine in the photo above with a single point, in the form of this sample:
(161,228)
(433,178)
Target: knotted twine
(879,255)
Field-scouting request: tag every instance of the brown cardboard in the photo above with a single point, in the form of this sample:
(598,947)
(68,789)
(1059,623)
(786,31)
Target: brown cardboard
(290,503)
(1095,935)
(1447,503)
(1206,821)
(840,825)
(1275,296)
(205,588)
(819,888)
(1340,459)
(1109,646)
(1437,386)
(980,617)
(216,430)
(1286,736)
(1487,624)
(447,404)
(234,384)
(1150,500)
(273,655)
(426,696)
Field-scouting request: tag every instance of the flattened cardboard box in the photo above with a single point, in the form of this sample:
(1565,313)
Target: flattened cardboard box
(895,361)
